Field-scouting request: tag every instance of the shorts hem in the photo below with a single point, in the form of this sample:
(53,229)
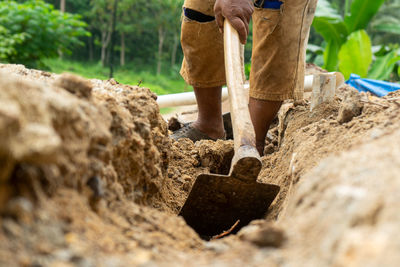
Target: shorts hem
(202,84)
(276,97)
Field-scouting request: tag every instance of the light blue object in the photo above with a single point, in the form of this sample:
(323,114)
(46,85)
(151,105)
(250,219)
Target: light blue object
(379,88)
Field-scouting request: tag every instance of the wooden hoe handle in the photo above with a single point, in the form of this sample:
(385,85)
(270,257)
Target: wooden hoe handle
(243,131)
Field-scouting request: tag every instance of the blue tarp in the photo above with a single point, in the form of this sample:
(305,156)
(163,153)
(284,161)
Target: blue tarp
(379,88)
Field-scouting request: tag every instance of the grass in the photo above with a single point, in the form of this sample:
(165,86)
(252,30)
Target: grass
(132,74)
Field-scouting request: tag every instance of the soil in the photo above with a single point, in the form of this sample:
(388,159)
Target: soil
(89,177)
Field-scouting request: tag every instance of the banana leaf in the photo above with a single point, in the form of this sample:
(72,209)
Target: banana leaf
(383,66)
(362,11)
(355,56)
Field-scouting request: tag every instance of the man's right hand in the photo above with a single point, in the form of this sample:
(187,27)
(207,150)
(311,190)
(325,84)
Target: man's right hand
(238,12)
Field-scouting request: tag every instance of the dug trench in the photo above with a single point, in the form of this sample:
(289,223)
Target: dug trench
(89,177)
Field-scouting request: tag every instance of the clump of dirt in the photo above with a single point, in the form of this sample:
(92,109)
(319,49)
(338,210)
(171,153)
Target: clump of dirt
(350,107)
(188,160)
(89,177)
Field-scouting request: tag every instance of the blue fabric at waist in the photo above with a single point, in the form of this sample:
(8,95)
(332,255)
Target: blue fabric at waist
(272,4)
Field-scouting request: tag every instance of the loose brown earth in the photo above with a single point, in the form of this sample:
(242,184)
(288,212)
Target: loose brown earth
(89,177)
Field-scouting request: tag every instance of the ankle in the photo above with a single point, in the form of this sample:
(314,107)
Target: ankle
(260,145)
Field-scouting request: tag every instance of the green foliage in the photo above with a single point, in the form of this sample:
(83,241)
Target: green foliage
(8,42)
(150,28)
(355,55)
(383,66)
(386,25)
(347,45)
(247,69)
(362,11)
(336,30)
(35,31)
(315,54)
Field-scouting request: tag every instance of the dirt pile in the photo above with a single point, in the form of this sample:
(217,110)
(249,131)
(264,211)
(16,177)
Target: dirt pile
(89,177)
(76,156)
(113,132)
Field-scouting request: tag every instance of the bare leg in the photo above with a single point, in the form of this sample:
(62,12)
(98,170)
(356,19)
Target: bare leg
(262,114)
(209,120)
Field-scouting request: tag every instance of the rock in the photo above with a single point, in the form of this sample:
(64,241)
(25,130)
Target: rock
(351,107)
(265,235)
(174,124)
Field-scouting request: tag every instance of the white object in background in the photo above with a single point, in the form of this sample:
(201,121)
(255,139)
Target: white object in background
(185,99)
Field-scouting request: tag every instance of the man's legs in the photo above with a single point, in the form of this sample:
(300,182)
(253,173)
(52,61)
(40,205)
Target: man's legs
(203,68)
(262,114)
(209,119)
(280,37)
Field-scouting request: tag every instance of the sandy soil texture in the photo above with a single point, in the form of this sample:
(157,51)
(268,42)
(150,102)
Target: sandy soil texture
(89,177)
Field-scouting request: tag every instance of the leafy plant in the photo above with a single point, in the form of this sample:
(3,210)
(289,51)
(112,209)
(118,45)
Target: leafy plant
(388,19)
(355,56)
(384,65)
(33,31)
(8,42)
(336,29)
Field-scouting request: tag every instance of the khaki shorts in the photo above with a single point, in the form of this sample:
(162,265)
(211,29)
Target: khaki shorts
(280,39)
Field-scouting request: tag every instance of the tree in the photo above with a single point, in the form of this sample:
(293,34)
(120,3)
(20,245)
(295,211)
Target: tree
(147,31)
(175,29)
(62,6)
(100,15)
(129,24)
(38,31)
(114,21)
(166,17)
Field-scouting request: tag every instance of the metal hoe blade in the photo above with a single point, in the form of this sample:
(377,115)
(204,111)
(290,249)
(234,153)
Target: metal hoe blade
(216,202)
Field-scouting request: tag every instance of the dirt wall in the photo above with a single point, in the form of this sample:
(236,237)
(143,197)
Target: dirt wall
(82,162)
(72,129)
(89,177)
